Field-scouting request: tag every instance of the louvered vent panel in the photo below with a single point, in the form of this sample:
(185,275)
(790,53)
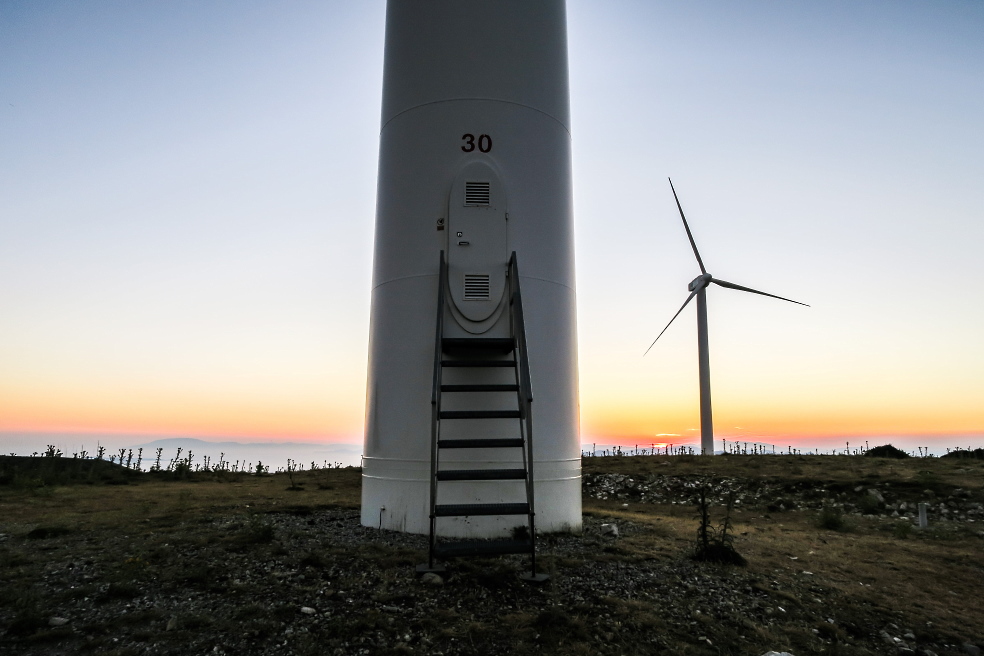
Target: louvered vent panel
(477,286)
(478,193)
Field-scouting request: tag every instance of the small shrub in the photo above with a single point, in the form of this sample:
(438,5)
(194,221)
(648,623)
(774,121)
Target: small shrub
(124,591)
(868,504)
(257,531)
(10,558)
(556,626)
(195,621)
(291,468)
(250,612)
(28,483)
(902,530)
(928,478)
(715,546)
(28,617)
(45,532)
(182,470)
(831,519)
(181,504)
(314,560)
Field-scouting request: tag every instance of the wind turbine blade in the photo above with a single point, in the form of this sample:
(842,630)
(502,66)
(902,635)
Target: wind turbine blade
(693,244)
(692,294)
(731,285)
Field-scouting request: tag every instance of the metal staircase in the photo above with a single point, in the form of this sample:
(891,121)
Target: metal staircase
(482,353)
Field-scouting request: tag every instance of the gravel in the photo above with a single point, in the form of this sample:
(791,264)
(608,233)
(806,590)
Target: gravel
(320,583)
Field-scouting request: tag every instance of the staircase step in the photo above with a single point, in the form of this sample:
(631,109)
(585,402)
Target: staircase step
(496,443)
(481,548)
(479,388)
(477,345)
(471,509)
(481,474)
(480,414)
(478,363)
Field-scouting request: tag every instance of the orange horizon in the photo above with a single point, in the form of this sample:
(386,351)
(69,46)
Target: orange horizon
(356,436)
(338,416)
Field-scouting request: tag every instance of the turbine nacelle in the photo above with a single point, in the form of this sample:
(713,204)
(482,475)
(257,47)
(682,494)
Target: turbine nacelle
(699,282)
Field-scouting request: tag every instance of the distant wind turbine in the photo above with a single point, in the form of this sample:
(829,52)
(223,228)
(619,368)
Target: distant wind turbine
(698,287)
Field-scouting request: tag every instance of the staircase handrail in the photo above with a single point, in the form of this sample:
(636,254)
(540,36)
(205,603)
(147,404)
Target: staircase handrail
(519,329)
(439,332)
(436,405)
(525,396)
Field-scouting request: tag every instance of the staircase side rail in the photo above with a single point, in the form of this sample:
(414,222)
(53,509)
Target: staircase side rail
(439,332)
(526,395)
(519,328)
(436,407)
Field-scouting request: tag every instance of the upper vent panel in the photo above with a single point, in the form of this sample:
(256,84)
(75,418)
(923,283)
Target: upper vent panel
(478,193)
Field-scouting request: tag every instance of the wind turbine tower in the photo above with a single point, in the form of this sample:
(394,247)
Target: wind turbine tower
(473,204)
(698,288)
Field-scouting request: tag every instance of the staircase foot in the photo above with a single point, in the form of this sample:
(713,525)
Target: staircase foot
(424,568)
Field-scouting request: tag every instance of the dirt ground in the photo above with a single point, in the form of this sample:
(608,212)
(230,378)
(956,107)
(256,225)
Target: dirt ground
(240,564)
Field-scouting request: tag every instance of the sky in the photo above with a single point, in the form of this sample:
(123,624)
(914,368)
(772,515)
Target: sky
(187,197)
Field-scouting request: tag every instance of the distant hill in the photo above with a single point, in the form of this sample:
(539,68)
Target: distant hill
(186,443)
(886,451)
(975,454)
(271,454)
(31,473)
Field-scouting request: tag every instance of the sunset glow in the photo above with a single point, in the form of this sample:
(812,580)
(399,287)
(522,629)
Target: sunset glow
(187,198)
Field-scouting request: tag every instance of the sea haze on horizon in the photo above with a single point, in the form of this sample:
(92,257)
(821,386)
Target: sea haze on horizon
(272,454)
(275,454)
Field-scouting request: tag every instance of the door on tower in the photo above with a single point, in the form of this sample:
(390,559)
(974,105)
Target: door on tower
(478,247)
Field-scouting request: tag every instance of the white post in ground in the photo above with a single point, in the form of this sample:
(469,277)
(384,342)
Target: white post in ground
(923,521)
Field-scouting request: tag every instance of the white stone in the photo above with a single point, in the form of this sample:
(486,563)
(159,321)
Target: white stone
(431,578)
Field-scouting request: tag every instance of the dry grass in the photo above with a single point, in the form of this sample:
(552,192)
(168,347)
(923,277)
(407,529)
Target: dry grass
(160,498)
(929,577)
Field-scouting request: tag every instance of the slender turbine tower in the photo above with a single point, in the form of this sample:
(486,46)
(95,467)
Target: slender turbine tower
(698,288)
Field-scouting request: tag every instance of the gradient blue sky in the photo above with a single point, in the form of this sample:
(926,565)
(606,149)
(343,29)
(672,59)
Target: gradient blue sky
(187,195)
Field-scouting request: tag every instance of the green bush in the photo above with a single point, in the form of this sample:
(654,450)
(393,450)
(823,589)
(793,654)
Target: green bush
(902,529)
(45,532)
(715,546)
(868,504)
(832,519)
(257,531)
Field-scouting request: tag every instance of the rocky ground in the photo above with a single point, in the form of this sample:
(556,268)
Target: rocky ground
(877,500)
(191,572)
